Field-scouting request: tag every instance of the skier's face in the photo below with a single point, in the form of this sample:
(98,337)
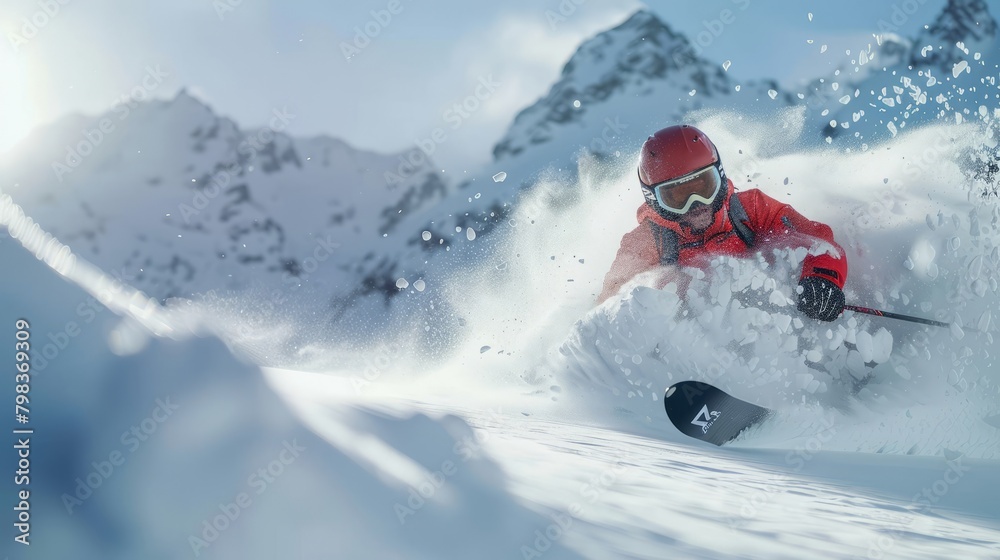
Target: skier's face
(698,218)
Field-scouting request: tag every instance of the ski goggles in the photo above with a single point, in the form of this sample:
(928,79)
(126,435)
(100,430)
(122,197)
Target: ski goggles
(678,195)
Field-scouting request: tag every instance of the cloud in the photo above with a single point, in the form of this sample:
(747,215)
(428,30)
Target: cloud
(525,53)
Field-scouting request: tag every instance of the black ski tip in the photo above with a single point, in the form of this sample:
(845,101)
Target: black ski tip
(705,412)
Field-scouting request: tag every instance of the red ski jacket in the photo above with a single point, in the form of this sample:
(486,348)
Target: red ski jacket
(657,242)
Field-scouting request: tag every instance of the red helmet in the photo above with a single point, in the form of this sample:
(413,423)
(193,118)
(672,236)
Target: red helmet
(674,152)
(680,160)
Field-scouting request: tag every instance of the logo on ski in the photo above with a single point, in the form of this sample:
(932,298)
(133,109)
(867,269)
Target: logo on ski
(705,419)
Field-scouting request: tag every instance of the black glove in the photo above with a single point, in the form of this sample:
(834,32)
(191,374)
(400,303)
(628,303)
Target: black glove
(820,298)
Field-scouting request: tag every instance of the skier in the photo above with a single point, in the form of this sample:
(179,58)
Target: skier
(692,212)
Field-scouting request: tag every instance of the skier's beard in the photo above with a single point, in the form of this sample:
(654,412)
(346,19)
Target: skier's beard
(698,218)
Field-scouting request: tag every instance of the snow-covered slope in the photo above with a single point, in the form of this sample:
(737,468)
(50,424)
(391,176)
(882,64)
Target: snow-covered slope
(149,447)
(363,462)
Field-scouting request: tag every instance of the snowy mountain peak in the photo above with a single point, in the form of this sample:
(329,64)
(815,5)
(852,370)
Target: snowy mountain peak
(645,25)
(961,21)
(184,96)
(620,83)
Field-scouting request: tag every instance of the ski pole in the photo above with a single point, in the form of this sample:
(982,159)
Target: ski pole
(879,313)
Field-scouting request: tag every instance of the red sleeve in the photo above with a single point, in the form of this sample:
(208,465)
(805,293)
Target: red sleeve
(636,254)
(774,220)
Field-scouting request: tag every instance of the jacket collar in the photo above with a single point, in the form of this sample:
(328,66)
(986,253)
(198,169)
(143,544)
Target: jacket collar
(720,222)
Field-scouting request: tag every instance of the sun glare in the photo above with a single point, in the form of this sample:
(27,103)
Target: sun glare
(17,114)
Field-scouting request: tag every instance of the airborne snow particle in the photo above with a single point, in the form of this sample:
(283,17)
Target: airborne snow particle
(419,285)
(726,65)
(499,177)
(845,99)
(772,94)
(484,349)
(402,284)
(810,15)
(470,234)
(959,67)
(576,104)
(957,332)
(426,236)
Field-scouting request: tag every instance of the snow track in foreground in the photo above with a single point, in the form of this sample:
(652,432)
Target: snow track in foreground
(609,494)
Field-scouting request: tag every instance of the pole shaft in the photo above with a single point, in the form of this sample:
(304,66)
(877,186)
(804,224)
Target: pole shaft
(880,313)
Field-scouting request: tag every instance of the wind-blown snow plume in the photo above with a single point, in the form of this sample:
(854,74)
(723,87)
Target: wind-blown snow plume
(919,240)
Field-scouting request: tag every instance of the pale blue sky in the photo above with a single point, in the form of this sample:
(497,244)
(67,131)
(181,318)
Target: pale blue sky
(265,54)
